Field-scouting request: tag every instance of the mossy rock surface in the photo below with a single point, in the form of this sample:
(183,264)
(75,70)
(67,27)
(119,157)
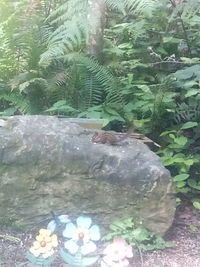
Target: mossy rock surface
(47,164)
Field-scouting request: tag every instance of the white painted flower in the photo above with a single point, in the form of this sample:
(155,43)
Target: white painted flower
(116,254)
(81,236)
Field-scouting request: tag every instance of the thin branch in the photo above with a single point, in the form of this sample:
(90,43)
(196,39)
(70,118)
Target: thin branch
(183,26)
(174,62)
(48,10)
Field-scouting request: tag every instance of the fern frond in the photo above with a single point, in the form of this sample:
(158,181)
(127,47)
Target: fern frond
(190,8)
(67,38)
(60,78)
(133,6)
(73,23)
(18,101)
(185,112)
(98,81)
(21,78)
(91,91)
(115,5)
(33,82)
(67,11)
(101,74)
(187,9)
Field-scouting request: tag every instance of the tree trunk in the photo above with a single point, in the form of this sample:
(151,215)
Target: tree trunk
(96,19)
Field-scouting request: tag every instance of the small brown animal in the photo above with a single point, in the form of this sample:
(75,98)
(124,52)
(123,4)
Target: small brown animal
(109,138)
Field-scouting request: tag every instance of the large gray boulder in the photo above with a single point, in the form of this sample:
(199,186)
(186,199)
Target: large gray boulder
(51,165)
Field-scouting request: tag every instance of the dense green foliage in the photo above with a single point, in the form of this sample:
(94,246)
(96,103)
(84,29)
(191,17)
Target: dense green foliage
(149,72)
(137,236)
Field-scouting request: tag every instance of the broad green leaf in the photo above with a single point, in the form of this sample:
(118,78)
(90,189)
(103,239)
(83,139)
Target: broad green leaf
(61,108)
(190,162)
(130,78)
(190,60)
(180,184)
(168,161)
(179,155)
(189,84)
(193,184)
(161,50)
(94,115)
(179,160)
(182,140)
(169,97)
(170,110)
(144,88)
(141,123)
(180,177)
(125,46)
(189,124)
(167,132)
(183,190)
(196,204)
(172,136)
(184,169)
(129,116)
(170,39)
(193,228)
(175,146)
(178,201)
(105,122)
(111,111)
(59,103)
(192,92)
(188,72)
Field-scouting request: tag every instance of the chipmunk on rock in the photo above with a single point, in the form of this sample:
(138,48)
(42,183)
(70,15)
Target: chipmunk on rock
(109,138)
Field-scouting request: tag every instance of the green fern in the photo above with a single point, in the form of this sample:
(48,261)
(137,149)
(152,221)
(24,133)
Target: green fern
(186,9)
(133,6)
(73,23)
(186,112)
(99,80)
(20,104)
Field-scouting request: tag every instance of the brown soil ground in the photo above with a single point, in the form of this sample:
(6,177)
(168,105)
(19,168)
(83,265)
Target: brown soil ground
(186,249)
(185,253)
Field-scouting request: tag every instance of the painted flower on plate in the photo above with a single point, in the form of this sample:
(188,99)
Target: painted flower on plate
(44,244)
(81,236)
(117,253)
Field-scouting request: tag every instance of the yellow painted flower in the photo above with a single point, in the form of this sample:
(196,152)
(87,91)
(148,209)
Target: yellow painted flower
(44,244)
